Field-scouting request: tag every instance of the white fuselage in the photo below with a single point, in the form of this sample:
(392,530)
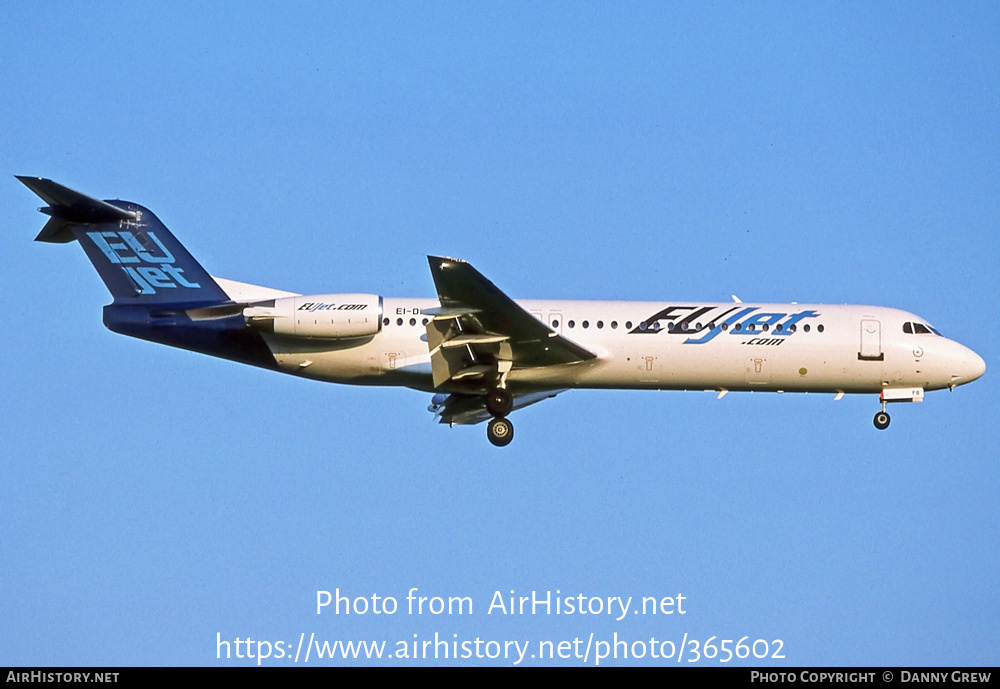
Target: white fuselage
(482,353)
(671,346)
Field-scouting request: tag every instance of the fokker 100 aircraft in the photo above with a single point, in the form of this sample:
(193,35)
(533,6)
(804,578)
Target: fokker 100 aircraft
(481,353)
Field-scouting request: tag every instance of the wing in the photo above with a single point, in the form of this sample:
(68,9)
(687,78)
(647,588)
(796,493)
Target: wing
(459,409)
(480,334)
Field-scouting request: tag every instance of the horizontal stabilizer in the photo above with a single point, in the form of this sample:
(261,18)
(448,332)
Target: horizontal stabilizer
(68,206)
(137,257)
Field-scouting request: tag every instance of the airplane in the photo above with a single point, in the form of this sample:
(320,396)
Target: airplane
(483,355)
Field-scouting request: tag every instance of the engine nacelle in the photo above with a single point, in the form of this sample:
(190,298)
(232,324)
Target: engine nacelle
(321,316)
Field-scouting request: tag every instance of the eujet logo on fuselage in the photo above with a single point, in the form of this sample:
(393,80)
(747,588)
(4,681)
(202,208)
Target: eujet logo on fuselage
(715,320)
(148,271)
(319,306)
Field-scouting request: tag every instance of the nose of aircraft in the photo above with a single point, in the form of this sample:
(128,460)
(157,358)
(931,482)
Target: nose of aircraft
(967,367)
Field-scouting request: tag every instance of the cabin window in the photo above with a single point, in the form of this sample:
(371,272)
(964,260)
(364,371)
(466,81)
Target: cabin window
(819,328)
(571,324)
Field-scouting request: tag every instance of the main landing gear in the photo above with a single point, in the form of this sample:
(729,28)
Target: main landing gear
(499,403)
(500,432)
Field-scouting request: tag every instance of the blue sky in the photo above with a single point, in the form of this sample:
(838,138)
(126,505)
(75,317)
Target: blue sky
(835,153)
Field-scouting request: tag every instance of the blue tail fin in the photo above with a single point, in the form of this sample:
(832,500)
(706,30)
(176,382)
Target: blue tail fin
(138,258)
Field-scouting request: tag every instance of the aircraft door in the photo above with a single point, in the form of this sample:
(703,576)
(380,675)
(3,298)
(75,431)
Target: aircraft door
(871,341)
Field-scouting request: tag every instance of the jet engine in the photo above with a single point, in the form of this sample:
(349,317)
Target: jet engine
(319,316)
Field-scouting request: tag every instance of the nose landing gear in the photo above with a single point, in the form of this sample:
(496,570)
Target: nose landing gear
(913,394)
(881,420)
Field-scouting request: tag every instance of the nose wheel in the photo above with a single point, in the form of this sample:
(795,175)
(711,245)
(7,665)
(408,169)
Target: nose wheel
(881,420)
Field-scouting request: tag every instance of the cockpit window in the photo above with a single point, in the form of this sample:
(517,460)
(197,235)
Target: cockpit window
(918,329)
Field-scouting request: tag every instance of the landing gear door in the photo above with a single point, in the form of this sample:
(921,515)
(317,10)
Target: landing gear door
(871,341)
